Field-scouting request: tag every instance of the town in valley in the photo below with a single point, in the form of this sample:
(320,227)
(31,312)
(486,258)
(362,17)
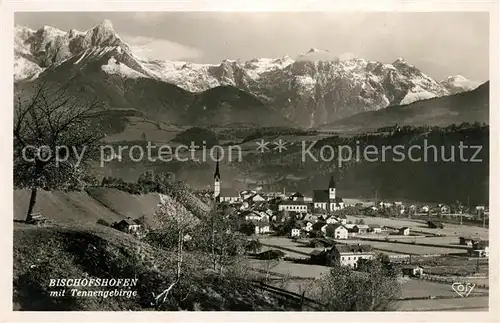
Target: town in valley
(266,229)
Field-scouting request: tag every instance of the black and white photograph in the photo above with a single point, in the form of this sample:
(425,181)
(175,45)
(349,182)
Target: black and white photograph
(251,161)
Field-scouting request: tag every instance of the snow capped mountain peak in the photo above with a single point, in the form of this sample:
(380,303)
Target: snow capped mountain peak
(73,33)
(283,60)
(399,60)
(49,32)
(316,55)
(106,24)
(104,29)
(102,35)
(458,83)
(23,29)
(227,61)
(455,78)
(49,46)
(314,50)
(47,28)
(314,88)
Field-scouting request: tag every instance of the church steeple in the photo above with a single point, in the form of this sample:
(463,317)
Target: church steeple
(332,182)
(331,190)
(217,180)
(217,172)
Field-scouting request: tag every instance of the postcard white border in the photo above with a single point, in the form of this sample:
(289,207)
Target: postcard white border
(7,23)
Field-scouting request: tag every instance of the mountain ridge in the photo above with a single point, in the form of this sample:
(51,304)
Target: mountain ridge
(308,91)
(470,106)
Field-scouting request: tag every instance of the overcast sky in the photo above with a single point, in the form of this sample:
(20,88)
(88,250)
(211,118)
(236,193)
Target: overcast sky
(440,44)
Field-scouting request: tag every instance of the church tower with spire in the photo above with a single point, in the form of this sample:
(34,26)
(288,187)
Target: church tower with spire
(332,197)
(217,181)
(331,189)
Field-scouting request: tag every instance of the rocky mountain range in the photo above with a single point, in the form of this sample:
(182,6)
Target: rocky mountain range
(442,111)
(307,91)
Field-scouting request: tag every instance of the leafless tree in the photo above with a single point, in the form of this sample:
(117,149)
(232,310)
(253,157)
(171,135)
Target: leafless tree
(217,238)
(268,265)
(176,223)
(52,129)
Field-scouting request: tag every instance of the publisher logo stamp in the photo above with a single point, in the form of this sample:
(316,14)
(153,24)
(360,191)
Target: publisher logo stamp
(463,289)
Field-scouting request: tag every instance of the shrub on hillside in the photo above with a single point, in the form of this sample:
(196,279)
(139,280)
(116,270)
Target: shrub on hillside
(103,222)
(107,181)
(372,287)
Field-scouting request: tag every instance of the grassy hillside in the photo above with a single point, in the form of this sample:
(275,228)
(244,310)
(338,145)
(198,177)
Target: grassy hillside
(42,253)
(77,207)
(225,105)
(87,207)
(126,204)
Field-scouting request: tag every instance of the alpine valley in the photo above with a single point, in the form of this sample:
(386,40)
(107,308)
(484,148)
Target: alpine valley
(306,182)
(313,97)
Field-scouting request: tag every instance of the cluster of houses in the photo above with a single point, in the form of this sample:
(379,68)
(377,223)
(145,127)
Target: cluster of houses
(343,255)
(326,199)
(443,209)
(258,214)
(331,227)
(295,215)
(262,212)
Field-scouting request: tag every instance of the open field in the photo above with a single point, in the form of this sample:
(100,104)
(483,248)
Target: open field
(404,248)
(291,248)
(444,241)
(443,266)
(451,304)
(421,225)
(423,288)
(288,268)
(294,249)
(410,289)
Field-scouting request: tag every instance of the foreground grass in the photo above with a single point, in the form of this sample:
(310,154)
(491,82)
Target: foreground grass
(59,251)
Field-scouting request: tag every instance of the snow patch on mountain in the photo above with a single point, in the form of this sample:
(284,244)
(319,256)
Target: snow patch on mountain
(117,68)
(21,34)
(306,82)
(25,69)
(256,67)
(315,54)
(417,96)
(189,76)
(49,46)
